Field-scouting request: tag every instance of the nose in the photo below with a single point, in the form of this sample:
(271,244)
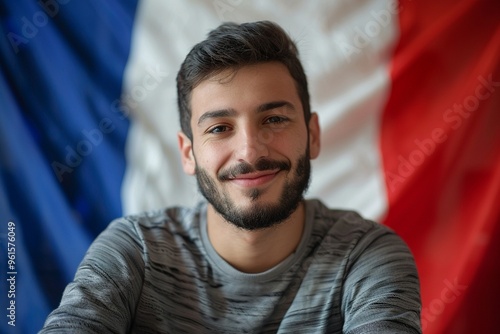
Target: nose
(251,145)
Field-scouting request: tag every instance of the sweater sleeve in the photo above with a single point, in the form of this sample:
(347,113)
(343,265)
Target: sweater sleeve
(381,287)
(105,291)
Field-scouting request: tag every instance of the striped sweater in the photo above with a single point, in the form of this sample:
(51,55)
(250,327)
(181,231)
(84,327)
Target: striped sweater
(158,273)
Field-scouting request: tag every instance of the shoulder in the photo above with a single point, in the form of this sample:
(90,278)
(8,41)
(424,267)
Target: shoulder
(171,227)
(174,219)
(376,268)
(346,225)
(356,237)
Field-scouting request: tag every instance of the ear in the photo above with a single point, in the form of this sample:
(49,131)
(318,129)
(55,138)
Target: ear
(187,157)
(314,136)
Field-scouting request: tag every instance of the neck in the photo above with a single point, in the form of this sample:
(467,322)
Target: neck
(255,251)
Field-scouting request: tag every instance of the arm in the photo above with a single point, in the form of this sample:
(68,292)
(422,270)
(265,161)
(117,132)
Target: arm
(104,293)
(381,289)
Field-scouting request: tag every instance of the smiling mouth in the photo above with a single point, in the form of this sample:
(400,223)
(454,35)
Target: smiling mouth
(253,179)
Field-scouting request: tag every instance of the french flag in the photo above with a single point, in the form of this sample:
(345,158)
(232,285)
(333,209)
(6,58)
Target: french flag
(408,95)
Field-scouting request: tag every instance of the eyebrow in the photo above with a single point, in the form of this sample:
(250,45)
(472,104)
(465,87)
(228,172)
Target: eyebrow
(232,112)
(216,114)
(275,105)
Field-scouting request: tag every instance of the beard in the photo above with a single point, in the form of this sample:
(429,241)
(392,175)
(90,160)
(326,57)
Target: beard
(259,215)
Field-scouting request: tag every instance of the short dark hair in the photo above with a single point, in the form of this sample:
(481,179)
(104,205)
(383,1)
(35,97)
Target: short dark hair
(231,46)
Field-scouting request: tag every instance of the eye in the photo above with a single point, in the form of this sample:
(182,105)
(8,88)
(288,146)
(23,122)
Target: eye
(218,129)
(275,120)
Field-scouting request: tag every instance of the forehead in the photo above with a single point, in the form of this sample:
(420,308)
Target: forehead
(245,89)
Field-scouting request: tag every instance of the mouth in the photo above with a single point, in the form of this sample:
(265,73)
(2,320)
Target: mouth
(254,179)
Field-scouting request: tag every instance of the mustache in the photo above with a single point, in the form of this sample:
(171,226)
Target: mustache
(245,168)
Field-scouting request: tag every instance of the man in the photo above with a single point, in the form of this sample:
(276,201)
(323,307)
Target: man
(255,257)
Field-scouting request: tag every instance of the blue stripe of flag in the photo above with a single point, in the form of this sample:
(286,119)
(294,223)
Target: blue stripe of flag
(61,140)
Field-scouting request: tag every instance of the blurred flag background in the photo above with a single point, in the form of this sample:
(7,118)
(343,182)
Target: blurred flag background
(408,95)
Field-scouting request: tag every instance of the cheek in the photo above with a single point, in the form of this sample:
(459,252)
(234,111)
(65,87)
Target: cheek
(289,143)
(210,158)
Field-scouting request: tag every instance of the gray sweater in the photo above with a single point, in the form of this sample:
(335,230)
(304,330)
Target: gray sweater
(158,273)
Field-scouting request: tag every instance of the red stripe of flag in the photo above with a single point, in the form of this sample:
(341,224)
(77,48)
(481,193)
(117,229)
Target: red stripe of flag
(440,145)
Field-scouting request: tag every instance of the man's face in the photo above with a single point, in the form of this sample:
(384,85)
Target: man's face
(251,146)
